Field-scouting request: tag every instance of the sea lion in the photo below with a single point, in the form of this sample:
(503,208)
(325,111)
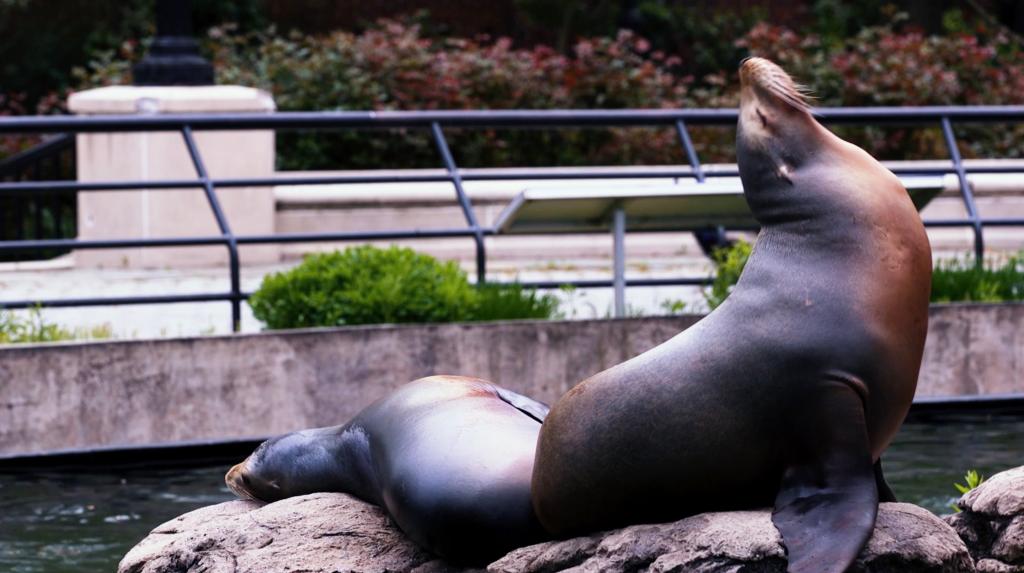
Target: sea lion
(788,392)
(448,457)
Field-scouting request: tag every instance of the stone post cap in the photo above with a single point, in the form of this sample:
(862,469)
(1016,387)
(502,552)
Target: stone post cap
(170,99)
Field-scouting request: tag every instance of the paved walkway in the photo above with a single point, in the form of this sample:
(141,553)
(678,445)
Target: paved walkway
(189,319)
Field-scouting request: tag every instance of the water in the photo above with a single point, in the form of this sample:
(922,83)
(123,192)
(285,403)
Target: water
(73,522)
(64,522)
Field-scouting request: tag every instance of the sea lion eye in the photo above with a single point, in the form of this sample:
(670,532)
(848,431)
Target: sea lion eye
(764,120)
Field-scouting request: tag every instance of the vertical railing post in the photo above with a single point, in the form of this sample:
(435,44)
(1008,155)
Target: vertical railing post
(619,259)
(464,202)
(691,152)
(965,191)
(222,224)
(711,238)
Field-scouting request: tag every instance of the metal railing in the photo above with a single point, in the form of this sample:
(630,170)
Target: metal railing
(34,217)
(435,122)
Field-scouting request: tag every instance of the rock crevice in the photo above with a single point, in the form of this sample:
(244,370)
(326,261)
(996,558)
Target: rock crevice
(991,522)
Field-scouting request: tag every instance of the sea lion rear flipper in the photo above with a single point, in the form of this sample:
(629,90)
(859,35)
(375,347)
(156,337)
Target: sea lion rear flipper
(884,491)
(828,500)
(532,408)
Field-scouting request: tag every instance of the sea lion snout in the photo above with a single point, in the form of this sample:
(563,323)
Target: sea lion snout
(764,81)
(238,481)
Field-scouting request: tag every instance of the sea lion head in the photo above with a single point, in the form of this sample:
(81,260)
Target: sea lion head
(289,465)
(776,137)
(776,127)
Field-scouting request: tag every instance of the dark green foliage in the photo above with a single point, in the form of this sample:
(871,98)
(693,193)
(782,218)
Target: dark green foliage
(729,263)
(703,41)
(41,40)
(497,302)
(953,280)
(959,280)
(368,285)
(364,285)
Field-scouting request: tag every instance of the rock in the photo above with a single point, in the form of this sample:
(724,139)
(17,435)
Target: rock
(323,532)
(907,539)
(329,532)
(991,522)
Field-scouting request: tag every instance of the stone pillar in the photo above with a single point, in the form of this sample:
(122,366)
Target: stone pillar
(163,156)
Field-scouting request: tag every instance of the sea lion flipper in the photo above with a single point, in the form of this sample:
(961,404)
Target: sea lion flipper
(884,491)
(828,500)
(532,408)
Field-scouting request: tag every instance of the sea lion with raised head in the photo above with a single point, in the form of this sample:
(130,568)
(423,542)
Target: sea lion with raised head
(788,392)
(449,458)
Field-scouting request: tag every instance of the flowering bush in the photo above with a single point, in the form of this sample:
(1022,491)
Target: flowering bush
(15,104)
(882,67)
(394,66)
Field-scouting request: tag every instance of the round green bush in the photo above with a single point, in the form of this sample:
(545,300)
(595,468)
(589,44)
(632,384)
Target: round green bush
(364,285)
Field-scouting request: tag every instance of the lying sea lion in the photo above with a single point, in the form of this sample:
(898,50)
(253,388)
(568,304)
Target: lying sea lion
(449,458)
(787,393)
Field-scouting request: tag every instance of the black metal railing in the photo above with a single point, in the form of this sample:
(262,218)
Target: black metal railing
(39,217)
(435,122)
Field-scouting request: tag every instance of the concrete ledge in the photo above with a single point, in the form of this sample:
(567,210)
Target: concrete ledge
(86,395)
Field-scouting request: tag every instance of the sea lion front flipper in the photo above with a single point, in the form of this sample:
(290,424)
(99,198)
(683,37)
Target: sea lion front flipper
(884,491)
(532,408)
(828,500)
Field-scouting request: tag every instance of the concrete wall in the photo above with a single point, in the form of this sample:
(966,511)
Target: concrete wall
(164,156)
(140,392)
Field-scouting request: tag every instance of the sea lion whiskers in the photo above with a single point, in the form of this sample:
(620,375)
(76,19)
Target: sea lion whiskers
(235,480)
(241,480)
(769,77)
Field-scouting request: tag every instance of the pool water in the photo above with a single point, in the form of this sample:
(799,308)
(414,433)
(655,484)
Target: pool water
(74,521)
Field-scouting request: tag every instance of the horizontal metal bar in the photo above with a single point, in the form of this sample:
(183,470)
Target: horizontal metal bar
(1004,222)
(41,187)
(600,283)
(482,118)
(361,235)
(214,297)
(14,163)
(120,300)
(43,244)
(368,236)
(62,186)
(241,239)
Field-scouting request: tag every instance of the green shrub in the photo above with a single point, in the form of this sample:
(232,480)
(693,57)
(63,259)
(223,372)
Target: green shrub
(953,280)
(364,285)
(960,279)
(497,302)
(729,263)
(368,285)
(32,327)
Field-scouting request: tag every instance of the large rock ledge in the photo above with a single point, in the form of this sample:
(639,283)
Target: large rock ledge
(991,522)
(337,533)
(907,539)
(324,532)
